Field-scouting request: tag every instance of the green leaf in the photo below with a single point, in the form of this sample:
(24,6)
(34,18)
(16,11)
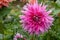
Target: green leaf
(56,11)
(1,27)
(4,11)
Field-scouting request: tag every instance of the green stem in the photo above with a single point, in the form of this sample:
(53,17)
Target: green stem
(33,37)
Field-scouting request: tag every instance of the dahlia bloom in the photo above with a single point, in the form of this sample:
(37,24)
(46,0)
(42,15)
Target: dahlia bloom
(32,1)
(36,19)
(4,3)
(17,36)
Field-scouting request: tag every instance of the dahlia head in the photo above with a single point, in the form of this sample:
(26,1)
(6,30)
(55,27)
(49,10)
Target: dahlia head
(32,1)
(35,18)
(4,3)
(17,36)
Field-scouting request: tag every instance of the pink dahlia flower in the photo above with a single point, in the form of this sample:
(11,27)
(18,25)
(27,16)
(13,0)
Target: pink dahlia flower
(17,36)
(36,18)
(4,3)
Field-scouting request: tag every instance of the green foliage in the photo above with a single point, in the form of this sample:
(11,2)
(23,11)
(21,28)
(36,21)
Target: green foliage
(9,22)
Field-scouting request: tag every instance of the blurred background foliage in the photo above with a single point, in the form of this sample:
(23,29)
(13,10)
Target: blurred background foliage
(9,21)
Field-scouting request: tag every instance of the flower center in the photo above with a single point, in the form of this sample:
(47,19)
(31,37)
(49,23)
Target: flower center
(36,18)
